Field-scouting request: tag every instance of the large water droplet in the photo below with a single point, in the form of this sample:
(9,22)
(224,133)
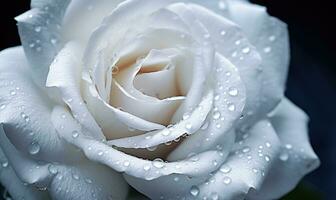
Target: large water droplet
(233,91)
(216,115)
(147,167)
(284,156)
(231,107)
(75,134)
(52,169)
(158,163)
(34,148)
(246,50)
(194,191)
(227,180)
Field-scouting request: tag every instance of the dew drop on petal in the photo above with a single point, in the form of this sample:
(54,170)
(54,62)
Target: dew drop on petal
(38,29)
(75,134)
(147,167)
(231,107)
(233,91)
(126,163)
(267,49)
(194,191)
(52,169)
(4,164)
(225,169)
(158,163)
(227,180)
(216,115)
(34,148)
(246,50)
(284,156)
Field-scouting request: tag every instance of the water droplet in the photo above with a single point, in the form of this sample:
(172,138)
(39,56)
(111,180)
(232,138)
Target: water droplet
(194,191)
(228,73)
(227,180)
(246,50)
(288,146)
(267,49)
(25,117)
(222,5)
(188,125)
(284,156)
(100,153)
(225,169)
(272,38)
(234,54)
(223,32)
(53,41)
(206,36)
(148,137)
(147,167)
(233,91)
(214,196)
(3,106)
(268,144)
(158,163)
(205,126)
(126,163)
(165,132)
(176,179)
(115,70)
(12,92)
(246,149)
(231,107)
(52,169)
(4,164)
(267,158)
(75,134)
(151,148)
(75,176)
(34,148)
(38,29)
(238,42)
(216,115)
(185,116)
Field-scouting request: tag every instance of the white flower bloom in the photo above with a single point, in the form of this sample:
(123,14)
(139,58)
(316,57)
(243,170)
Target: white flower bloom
(178,99)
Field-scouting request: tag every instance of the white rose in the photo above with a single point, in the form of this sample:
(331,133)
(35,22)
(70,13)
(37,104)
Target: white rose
(178,99)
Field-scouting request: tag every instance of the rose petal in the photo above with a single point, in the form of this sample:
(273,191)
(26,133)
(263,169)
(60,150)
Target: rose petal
(114,122)
(270,37)
(38,174)
(228,105)
(16,188)
(25,111)
(86,181)
(40,35)
(226,35)
(232,181)
(65,74)
(297,157)
(113,24)
(121,162)
(246,169)
(155,138)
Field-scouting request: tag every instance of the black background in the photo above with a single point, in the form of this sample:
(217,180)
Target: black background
(312,77)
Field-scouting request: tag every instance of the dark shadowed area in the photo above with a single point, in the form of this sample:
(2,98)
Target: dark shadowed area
(311,82)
